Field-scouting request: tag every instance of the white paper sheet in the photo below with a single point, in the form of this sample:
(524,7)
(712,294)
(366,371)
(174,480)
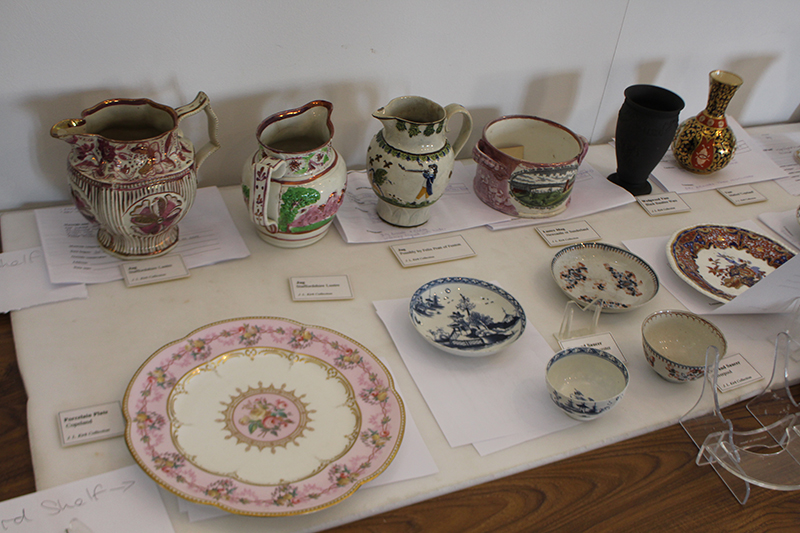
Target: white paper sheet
(781,148)
(458,209)
(591,193)
(24,282)
(749,165)
(124,500)
(784,224)
(476,399)
(207,236)
(776,293)
(413,460)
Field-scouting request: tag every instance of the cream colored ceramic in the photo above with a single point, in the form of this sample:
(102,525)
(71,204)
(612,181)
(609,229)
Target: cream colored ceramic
(536,183)
(410,161)
(675,344)
(586,382)
(295,182)
(132,171)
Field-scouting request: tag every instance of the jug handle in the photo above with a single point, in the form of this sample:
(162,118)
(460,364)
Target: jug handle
(201,102)
(466,126)
(264,171)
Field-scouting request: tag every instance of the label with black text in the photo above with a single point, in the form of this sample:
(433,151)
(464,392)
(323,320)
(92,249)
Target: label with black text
(88,424)
(663,204)
(154,270)
(321,288)
(434,251)
(734,372)
(567,233)
(742,195)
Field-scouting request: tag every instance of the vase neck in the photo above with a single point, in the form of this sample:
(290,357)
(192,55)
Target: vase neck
(723,86)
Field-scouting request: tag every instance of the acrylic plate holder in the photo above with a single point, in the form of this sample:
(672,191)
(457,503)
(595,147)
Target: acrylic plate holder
(768,457)
(263,416)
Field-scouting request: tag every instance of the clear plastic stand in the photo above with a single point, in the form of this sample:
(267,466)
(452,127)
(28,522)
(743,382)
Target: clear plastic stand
(568,329)
(768,457)
(776,401)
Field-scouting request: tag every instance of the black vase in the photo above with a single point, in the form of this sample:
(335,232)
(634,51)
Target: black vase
(646,125)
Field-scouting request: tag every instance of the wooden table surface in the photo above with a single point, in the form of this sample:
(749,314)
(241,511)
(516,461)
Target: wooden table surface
(649,483)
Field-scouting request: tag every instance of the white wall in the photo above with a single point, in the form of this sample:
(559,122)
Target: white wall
(566,60)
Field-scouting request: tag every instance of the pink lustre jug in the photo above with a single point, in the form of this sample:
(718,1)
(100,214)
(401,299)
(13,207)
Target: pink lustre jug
(133,172)
(295,182)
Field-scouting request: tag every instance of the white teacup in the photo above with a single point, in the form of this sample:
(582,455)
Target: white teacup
(675,344)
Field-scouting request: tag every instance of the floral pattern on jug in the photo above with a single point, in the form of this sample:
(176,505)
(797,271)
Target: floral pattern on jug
(295,182)
(133,173)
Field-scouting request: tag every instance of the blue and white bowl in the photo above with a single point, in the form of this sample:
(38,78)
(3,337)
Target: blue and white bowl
(586,382)
(466,316)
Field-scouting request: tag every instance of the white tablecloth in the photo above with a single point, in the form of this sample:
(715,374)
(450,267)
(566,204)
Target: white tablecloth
(83,352)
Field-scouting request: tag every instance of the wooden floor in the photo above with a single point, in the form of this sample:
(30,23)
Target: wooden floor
(649,483)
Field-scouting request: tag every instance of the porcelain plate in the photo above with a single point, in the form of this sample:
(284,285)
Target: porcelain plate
(263,416)
(723,261)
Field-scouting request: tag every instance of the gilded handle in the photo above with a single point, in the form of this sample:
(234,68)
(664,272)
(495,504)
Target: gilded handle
(201,102)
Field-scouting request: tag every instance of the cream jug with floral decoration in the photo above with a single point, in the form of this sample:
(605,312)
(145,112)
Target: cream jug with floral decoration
(410,160)
(295,182)
(132,171)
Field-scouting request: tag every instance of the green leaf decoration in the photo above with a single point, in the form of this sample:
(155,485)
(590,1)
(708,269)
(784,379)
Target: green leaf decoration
(292,201)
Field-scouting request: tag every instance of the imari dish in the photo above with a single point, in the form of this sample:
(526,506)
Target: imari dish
(263,416)
(675,344)
(723,261)
(586,382)
(466,316)
(618,279)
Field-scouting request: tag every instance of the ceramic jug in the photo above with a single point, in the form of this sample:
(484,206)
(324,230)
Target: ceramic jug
(410,161)
(295,182)
(132,171)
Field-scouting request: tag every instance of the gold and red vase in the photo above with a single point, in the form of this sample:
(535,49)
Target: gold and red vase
(705,143)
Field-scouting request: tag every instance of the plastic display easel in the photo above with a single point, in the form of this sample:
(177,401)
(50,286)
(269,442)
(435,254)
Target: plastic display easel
(768,457)
(569,330)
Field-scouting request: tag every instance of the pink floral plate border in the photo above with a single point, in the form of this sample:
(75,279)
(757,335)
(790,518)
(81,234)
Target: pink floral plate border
(148,431)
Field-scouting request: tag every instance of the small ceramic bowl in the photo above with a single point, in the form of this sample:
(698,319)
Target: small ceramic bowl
(675,344)
(466,316)
(586,382)
(594,270)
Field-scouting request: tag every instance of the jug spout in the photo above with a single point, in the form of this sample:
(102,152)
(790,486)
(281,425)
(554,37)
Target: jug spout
(66,129)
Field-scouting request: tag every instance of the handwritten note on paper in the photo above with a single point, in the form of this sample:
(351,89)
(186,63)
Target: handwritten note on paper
(24,282)
(124,500)
(207,235)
